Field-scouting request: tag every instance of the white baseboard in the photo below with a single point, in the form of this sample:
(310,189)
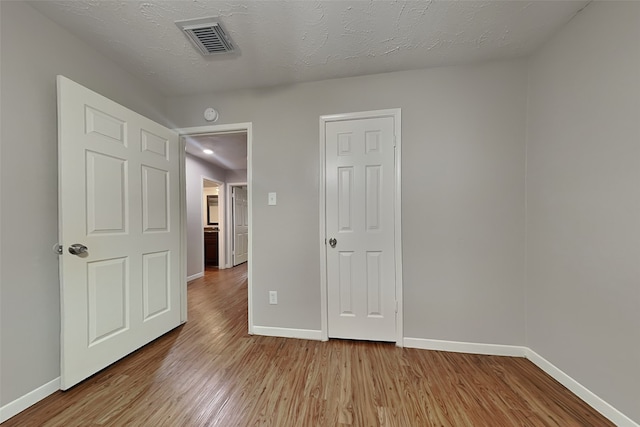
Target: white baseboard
(615,416)
(31,398)
(608,411)
(466,347)
(195,276)
(306,334)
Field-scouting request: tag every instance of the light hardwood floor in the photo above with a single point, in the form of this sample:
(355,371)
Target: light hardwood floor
(209,372)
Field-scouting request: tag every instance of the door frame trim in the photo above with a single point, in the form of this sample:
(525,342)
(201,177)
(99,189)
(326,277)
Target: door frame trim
(232,127)
(183,227)
(395,113)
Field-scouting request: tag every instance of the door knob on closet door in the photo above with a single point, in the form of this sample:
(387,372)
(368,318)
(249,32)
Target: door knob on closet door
(333,242)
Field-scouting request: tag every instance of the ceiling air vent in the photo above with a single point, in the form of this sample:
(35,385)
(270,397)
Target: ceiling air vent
(207,35)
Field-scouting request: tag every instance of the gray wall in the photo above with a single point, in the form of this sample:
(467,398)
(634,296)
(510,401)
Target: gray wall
(583,180)
(34,50)
(195,169)
(236,176)
(463,194)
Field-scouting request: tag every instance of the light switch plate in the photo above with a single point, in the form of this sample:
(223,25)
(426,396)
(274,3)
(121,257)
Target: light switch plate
(272,199)
(273,297)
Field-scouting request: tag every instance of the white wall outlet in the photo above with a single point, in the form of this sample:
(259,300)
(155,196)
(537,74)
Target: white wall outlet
(272,199)
(273,297)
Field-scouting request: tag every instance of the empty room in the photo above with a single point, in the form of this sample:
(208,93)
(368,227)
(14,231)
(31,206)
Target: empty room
(426,213)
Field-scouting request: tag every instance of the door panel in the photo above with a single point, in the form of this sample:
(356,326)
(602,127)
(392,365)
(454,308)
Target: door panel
(155,200)
(360,216)
(156,283)
(118,196)
(107,195)
(108,295)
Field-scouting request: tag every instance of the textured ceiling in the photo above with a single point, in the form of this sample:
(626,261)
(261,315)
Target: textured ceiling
(285,42)
(229,149)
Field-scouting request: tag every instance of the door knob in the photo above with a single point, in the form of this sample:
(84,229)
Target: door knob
(333,242)
(78,249)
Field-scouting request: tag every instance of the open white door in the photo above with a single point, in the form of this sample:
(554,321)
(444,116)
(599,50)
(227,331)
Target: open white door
(360,250)
(240,225)
(119,210)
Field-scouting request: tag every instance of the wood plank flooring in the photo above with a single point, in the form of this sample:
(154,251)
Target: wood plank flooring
(209,372)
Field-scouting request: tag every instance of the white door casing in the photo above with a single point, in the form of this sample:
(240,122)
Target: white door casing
(240,225)
(119,195)
(361,208)
(233,127)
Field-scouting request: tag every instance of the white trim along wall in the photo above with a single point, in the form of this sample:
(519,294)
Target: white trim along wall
(574,386)
(195,276)
(597,403)
(29,399)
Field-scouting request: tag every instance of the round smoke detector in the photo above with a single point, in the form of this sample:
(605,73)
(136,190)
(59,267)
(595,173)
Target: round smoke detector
(210,115)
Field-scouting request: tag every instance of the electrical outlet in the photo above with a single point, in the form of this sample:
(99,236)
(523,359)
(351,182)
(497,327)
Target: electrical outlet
(273,297)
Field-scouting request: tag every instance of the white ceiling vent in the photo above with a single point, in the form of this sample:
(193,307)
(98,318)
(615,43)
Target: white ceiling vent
(207,35)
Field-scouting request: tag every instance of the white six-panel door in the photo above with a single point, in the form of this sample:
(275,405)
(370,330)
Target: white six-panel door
(361,286)
(119,197)
(240,225)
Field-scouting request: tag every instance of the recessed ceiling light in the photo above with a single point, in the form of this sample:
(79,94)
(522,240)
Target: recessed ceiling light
(207,151)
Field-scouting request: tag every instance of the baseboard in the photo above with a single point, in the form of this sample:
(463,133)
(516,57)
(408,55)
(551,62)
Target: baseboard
(305,334)
(31,398)
(195,276)
(615,416)
(466,347)
(608,411)
(618,418)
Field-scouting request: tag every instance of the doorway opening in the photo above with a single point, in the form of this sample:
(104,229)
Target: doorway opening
(213,221)
(222,163)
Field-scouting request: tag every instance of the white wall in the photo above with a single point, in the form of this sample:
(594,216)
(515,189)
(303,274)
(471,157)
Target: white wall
(195,169)
(583,198)
(463,194)
(34,50)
